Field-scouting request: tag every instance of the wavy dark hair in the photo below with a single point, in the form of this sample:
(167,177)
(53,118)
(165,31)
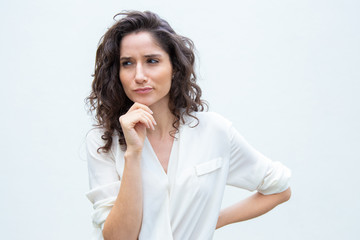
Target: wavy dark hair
(108,97)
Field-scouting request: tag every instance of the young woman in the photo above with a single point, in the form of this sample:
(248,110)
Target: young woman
(158,164)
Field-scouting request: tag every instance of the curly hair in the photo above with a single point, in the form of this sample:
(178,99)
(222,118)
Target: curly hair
(107,96)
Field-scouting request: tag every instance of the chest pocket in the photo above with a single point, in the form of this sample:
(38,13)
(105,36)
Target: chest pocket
(209,166)
(196,183)
(207,176)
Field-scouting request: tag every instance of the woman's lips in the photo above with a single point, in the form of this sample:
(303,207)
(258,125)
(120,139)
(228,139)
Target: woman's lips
(143,90)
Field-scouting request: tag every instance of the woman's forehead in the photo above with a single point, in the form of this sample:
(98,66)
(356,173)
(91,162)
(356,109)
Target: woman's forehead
(141,43)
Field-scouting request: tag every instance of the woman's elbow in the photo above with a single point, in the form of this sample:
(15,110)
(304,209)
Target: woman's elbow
(285,195)
(109,234)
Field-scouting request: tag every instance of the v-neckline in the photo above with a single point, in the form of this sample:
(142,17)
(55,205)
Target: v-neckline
(154,156)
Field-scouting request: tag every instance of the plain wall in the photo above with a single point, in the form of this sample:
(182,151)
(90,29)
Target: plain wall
(286,73)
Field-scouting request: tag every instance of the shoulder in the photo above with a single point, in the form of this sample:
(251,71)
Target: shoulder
(94,141)
(208,118)
(209,122)
(95,135)
(212,117)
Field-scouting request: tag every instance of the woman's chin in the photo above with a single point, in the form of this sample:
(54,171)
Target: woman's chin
(146,103)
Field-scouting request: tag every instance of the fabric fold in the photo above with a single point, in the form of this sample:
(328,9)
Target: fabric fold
(276,179)
(103,192)
(103,199)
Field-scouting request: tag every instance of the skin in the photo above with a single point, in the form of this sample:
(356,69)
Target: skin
(251,207)
(144,64)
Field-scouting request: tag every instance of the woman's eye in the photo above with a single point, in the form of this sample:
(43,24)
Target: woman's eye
(152,61)
(125,63)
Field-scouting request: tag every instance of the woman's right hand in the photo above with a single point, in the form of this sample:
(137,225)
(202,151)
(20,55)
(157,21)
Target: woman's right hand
(134,124)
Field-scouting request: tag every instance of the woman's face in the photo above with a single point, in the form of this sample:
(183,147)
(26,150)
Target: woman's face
(145,70)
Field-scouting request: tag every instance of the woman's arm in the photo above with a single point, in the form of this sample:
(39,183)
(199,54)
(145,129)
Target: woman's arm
(124,220)
(251,207)
(125,217)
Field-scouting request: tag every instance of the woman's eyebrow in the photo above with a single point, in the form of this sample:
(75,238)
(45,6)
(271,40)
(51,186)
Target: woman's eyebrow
(124,58)
(152,55)
(155,55)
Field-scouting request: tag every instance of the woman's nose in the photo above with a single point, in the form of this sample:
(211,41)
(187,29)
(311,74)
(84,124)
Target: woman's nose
(140,75)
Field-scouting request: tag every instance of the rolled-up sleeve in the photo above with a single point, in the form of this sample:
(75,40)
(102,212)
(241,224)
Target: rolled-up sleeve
(104,180)
(251,170)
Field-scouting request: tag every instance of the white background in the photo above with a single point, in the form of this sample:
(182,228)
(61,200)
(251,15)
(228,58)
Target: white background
(285,72)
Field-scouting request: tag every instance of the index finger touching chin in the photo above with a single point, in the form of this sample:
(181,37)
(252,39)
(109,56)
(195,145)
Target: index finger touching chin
(137,105)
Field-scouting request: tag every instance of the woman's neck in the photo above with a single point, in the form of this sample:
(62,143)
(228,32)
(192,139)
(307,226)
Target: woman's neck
(164,119)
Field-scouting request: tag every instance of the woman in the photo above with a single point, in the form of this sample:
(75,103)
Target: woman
(158,164)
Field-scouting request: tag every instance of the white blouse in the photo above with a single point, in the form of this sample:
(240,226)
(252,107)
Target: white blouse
(184,203)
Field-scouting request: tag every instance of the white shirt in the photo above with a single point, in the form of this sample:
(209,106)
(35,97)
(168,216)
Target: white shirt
(184,203)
